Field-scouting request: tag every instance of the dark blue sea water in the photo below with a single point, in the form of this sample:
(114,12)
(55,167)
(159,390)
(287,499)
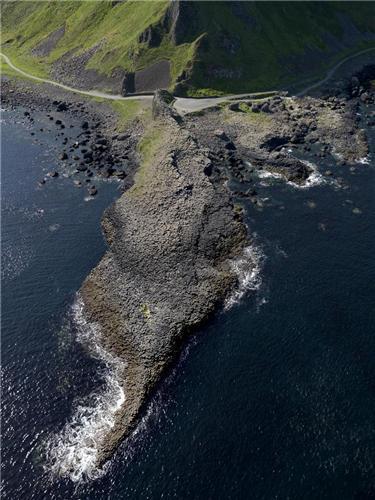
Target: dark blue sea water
(274,399)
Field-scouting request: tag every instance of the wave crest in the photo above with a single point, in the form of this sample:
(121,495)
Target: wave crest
(248,270)
(73,452)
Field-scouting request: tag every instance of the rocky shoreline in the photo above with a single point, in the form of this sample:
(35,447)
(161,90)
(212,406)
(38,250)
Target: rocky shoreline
(175,231)
(99,150)
(173,234)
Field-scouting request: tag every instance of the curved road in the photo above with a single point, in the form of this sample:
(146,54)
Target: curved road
(332,71)
(182,104)
(92,93)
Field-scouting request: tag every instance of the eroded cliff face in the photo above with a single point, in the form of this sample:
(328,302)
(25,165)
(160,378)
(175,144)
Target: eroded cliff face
(171,238)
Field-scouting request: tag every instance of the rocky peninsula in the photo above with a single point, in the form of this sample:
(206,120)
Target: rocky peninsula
(171,239)
(177,229)
(173,235)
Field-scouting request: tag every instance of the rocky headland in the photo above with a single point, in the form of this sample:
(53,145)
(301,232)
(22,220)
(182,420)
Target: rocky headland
(175,232)
(171,239)
(173,235)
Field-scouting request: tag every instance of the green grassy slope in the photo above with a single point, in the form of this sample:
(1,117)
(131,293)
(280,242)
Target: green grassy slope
(278,42)
(224,47)
(117,26)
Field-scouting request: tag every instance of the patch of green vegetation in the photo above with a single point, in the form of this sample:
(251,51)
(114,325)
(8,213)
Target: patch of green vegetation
(6,70)
(145,310)
(180,56)
(127,110)
(148,144)
(245,110)
(201,112)
(153,138)
(114,30)
(223,105)
(204,92)
(26,63)
(228,47)
(272,41)
(258,118)
(130,110)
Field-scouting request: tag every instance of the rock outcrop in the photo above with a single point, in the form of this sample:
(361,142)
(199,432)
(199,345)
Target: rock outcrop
(167,269)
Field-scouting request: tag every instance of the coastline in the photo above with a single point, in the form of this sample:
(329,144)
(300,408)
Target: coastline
(107,291)
(106,147)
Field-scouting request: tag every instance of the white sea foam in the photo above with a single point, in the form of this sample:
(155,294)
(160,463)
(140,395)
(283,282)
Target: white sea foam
(73,452)
(265,174)
(315,178)
(364,161)
(248,270)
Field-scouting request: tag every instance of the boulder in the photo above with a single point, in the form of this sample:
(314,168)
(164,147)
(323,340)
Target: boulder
(101,140)
(230,146)
(221,135)
(121,174)
(62,107)
(122,137)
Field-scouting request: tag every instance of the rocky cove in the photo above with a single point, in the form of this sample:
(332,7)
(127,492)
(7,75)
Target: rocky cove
(173,234)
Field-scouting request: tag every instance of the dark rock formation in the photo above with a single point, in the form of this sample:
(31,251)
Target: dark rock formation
(128,84)
(49,43)
(161,106)
(274,142)
(158,75)
(170,239)
(179,20)
(71,69)
(152,36)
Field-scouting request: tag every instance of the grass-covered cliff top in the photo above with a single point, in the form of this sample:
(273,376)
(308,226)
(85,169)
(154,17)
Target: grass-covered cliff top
(212,47)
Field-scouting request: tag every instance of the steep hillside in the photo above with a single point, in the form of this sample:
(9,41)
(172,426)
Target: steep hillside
(190,47)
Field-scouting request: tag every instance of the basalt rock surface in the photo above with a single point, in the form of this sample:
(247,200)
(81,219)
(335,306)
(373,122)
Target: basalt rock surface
(171,239)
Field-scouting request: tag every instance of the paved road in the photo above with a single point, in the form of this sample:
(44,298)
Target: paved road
(182,104)
(188,104)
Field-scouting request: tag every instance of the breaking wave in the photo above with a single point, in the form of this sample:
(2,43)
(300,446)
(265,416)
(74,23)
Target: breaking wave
(364,161)
(266,174)
(248,270)
(73,452)
(314,179)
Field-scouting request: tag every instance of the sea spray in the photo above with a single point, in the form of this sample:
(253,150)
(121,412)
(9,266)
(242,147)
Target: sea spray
(364,161)
(314,179)
(73,452)
(247,268)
